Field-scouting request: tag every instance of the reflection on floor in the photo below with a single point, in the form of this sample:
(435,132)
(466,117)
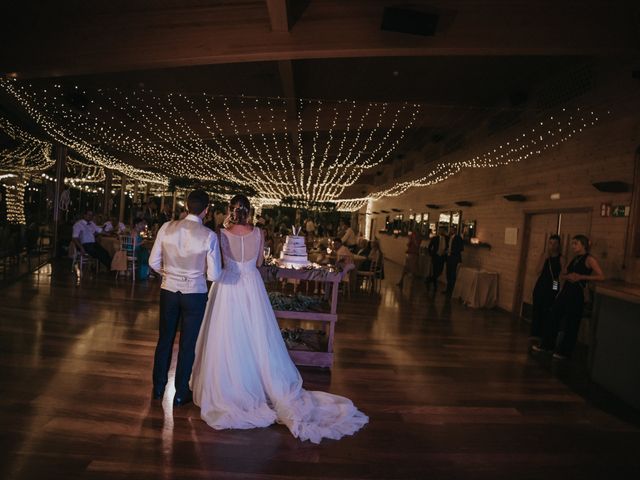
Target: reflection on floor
(451,393)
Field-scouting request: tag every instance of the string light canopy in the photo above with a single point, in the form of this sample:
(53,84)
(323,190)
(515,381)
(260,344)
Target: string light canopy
(26,153)
(310,152)
(546,134)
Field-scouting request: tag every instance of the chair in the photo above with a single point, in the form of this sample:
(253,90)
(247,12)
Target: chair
(81,259)
(128,244)
(371,275)
(348,266)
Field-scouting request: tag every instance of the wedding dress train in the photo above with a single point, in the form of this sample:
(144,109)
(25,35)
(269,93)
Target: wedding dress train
(243,376)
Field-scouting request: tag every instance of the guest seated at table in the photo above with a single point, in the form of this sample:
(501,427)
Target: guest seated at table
(343,255)
(109,227)
(84,238)
(364,247)
(375,255)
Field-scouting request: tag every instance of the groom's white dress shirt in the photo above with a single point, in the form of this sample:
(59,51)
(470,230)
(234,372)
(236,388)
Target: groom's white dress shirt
(187,254)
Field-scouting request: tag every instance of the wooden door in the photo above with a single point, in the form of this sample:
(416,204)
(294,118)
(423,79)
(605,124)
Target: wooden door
(541,226)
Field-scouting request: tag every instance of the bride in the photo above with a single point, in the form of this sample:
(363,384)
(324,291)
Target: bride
(243,376)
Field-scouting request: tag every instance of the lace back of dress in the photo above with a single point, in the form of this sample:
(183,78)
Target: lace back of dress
(240,248)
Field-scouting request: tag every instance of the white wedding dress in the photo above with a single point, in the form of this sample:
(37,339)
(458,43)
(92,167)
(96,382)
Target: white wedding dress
(243,376)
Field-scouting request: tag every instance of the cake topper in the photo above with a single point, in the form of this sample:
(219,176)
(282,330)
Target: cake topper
(296,232)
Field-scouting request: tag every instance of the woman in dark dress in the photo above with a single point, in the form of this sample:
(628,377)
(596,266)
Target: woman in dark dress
(550,266)
(561,332)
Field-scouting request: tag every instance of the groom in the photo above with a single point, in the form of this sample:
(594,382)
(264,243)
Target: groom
(186,254)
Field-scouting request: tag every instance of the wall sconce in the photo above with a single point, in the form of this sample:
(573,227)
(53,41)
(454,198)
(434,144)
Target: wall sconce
(555,196)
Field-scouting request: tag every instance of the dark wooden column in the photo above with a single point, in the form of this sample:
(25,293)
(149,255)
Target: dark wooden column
(61,162)
(108,178)
(123,191)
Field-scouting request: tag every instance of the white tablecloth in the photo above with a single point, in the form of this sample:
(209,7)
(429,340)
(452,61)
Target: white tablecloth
(476,288)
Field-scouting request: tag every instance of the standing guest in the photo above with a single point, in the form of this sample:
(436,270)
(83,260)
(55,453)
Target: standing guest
(268,241)
(329,230)
(561,332)
(550,266)
(186,253)
(150,213)
(219,218)
(114,227)
(348,238)
(141,252)
(166,215)
(437,248)
(411,258)
(210,220)
(84,238)
(454,257)
(310,227)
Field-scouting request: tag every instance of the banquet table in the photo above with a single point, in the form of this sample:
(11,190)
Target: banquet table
(476,288)
(110,244)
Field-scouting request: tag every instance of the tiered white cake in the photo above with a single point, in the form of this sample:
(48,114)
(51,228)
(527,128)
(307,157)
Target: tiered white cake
(294,250)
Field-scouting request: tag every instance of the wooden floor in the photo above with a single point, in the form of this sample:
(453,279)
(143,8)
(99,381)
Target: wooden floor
(451,393)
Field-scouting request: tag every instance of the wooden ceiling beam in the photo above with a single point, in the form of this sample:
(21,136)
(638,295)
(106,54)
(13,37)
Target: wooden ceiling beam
(278,15)
(95,42)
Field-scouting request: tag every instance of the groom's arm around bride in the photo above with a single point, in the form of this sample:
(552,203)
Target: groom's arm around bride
(186,254)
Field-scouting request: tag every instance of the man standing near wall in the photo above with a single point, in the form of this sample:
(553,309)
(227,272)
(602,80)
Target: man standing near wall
(438,246)
(454,257)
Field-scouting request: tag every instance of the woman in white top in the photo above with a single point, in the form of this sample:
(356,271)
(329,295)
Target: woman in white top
(243,376)
(109,227)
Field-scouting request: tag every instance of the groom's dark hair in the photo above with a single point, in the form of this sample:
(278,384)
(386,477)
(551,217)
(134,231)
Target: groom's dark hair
(197,201)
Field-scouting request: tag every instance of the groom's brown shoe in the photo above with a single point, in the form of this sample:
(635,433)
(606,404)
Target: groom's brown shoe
(182,399)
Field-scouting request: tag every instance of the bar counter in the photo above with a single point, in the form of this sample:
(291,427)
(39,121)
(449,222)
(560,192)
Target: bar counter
(614,359)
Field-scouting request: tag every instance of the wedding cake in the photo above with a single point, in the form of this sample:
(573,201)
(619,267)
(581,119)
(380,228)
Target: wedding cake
(294,250)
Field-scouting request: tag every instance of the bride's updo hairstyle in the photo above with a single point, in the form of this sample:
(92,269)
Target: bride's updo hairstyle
(239,208)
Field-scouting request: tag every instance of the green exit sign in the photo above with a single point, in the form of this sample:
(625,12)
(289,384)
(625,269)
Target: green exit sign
(620,210)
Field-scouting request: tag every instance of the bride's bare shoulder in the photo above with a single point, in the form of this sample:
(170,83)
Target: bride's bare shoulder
(239,230)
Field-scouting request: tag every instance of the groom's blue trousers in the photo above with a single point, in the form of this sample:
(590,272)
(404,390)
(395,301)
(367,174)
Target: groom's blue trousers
(176,306)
